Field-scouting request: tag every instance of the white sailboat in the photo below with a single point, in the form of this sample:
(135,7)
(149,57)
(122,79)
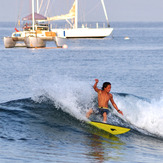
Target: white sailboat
(80,32)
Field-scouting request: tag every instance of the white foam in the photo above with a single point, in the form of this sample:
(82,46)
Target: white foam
(70,95)
(143,114)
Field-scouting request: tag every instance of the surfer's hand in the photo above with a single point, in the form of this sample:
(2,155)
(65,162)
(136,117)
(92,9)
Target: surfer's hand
(120,112)
(96,80)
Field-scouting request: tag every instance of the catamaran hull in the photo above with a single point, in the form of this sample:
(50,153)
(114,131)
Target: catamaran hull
(9,42)
(84,32)
(32,39)
(34,42)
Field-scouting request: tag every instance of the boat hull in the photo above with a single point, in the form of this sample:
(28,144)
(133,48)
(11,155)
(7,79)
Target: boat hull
(9,42)
(83,32)
(36,39)
(34,42)
(59,41)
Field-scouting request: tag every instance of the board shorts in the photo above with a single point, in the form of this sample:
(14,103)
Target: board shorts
(101,110)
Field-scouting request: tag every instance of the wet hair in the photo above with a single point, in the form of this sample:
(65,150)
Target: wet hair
(105,84)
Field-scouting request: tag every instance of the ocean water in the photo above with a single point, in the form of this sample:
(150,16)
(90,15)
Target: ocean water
(45,94)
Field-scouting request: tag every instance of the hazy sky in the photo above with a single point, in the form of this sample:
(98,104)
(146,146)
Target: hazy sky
(118,10)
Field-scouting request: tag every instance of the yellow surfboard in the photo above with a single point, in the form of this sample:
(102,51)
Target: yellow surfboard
(115,130)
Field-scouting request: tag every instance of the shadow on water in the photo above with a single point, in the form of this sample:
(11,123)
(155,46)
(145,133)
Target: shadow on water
(103,146)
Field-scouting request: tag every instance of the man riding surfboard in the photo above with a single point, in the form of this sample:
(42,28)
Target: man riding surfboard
(104,96)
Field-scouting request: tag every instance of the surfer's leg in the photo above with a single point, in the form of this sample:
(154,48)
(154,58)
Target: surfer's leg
(104,117)
(89,113)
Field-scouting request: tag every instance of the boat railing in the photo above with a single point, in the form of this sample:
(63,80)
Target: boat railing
(81,25)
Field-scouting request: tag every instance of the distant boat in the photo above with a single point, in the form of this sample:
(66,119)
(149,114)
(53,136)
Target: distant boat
(83,32)
(34,34)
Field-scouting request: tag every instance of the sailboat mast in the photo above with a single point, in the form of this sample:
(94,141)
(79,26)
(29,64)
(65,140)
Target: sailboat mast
(37,6)
(33,16)
(103,5)
(76,13)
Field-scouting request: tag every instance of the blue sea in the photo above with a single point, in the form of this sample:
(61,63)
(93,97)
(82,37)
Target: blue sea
(45,94)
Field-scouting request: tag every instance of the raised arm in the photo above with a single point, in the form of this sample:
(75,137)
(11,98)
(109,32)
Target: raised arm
(95,85)
(115,106)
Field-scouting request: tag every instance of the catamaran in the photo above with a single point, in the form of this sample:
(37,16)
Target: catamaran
(80,32)
(34,34)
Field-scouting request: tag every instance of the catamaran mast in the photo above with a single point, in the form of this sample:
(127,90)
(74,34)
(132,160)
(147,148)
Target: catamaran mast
(103,5)
(33,16)
(76,13)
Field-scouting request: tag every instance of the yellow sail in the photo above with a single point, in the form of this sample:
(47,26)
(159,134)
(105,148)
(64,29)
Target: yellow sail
(70,15)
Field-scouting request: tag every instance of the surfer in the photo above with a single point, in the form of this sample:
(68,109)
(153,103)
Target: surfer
(104,96)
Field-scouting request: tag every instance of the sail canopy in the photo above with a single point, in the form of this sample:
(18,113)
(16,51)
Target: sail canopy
(70,15)
(37,17)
